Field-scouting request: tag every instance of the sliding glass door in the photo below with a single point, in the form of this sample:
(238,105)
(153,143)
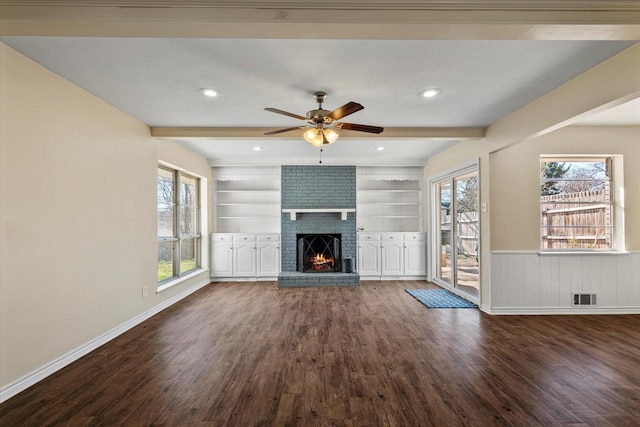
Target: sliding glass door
(445,242)
(457,232)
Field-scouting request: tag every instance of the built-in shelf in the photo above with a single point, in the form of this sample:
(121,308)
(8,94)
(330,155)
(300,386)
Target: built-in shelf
(389,199)
(343,212)
(246,200)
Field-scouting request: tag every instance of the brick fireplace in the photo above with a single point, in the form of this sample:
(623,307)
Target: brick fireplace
(318,200)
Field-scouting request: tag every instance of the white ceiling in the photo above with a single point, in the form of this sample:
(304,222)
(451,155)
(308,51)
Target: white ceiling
(157,80)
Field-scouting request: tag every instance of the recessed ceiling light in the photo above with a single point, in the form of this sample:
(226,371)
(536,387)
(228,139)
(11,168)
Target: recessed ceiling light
(257,148)
(209,92)
(431,92)
(380,148)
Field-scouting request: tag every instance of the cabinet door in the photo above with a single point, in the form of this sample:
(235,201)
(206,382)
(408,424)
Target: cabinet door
(369,258)
(392,259)
(268,259)
(244,259)
(221,257)
(415,258)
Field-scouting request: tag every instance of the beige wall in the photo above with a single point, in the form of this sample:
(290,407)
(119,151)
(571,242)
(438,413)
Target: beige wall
(515,187)
(77,216)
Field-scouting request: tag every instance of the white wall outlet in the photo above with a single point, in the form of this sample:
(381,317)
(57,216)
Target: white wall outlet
(144,292)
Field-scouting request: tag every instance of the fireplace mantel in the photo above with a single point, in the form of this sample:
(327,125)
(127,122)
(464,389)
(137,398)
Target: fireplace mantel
(342,212)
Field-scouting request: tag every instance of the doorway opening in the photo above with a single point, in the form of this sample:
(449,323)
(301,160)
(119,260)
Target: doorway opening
(456,231)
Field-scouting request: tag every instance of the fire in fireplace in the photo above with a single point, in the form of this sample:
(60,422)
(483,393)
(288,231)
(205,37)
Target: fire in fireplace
(319,253)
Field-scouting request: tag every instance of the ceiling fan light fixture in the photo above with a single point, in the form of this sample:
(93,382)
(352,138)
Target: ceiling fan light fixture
(431,92)
(331,135)
(314,137)
(322,123)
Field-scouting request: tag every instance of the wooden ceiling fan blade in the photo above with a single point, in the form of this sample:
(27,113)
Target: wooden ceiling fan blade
(275,132)
(345,110)
(286,113)
(359,128)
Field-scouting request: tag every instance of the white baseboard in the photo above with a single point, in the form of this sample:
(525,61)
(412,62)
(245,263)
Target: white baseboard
(41,373)
(383,278)
(526,311)
(244,279)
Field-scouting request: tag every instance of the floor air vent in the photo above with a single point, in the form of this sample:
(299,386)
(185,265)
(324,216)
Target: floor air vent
(584,299)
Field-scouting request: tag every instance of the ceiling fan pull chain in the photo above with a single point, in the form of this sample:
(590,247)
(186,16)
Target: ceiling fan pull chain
(320,156)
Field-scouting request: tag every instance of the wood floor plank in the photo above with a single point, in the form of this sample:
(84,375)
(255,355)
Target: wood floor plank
(250,354)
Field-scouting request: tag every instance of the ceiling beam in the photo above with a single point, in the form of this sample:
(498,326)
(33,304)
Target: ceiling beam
(417,19)
(191,133)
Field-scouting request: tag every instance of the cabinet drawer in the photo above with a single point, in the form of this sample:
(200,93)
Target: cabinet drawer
(268,237)
(391,236)
(415,236)
(363,237)
(221,237)
(244,237)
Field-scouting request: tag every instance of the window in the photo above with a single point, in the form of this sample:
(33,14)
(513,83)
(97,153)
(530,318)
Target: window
(576,203)
(179,237)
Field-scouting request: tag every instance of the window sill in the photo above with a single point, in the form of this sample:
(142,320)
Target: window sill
(178,280)
(584,252)
(562,252)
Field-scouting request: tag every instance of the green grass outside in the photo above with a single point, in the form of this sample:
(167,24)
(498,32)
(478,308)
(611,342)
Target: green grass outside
(165,268)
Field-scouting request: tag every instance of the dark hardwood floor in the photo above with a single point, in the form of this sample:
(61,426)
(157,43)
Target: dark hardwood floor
(249,354)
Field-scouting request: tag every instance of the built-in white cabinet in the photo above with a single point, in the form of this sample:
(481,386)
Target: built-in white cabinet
(415,254)
(389,199)
(221,255)
(392,255)
(244,255)
(268,251)
(369,254)
(392,251)
(241,256)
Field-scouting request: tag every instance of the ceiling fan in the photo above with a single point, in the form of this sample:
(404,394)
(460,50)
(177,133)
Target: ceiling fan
(321,122)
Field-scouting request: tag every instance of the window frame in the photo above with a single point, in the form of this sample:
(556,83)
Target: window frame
(613,177)
(178,239)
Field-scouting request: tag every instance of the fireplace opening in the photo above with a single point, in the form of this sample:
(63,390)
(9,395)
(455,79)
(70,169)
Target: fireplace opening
(319,253)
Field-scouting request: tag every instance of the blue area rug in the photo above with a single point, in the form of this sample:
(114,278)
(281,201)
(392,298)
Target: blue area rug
(439,298)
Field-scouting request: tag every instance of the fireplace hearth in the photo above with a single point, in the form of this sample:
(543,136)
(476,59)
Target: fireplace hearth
(319,253)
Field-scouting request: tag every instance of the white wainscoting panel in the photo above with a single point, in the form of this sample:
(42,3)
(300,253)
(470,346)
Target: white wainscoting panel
(528,282)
